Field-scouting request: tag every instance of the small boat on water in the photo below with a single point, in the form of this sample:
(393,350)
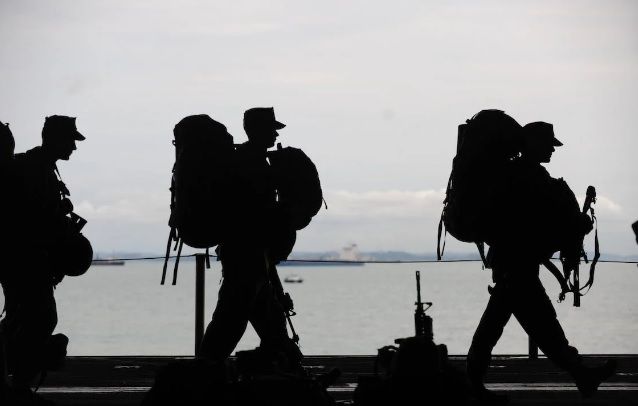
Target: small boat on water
(293,278)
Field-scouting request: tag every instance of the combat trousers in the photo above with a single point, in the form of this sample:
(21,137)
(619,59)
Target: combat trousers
(245,295)
(527,301)
(31,317)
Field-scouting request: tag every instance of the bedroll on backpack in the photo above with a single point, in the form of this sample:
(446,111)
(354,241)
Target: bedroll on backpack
(201,181)
(297,183)
(486,145)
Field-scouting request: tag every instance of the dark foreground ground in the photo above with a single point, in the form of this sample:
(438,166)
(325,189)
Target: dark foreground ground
(124,380)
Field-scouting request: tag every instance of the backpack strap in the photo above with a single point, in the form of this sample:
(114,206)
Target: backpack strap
(64,191)
(179,244)
(553,269)
(594,261)
(171,236)
(481,249)
(440,249)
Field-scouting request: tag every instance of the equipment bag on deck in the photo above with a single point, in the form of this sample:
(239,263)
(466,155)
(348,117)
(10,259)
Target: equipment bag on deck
(201,184)
(486,145)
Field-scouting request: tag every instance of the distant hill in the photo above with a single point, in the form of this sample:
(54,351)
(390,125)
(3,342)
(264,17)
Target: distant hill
(363,256)
(410,256)
(382,256)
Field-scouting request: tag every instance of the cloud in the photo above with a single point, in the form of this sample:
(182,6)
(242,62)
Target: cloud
(134,209)
(605,205)
(389,204)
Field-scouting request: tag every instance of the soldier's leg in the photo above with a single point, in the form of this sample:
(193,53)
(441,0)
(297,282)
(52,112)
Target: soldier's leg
(489,331)
(230,318)
(31,319)
(534,311)
(267,317)
(243,269)
(269,321)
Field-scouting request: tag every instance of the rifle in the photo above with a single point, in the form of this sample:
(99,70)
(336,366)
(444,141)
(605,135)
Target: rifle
(572,268)
(283,298)
(422,322)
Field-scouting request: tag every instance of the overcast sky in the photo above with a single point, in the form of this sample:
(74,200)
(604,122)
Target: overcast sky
(372,91)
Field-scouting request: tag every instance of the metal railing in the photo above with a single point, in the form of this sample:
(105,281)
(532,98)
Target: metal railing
(200,269)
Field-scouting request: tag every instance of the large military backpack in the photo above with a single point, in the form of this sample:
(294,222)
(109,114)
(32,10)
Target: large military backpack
(200,184)
(486,145)
(297,183)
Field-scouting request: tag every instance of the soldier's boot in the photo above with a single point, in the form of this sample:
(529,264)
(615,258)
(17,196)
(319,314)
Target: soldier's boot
(24,396)
(589,378)
(55,355)
(485,396)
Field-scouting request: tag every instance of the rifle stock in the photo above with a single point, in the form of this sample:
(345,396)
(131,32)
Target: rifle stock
(284,298)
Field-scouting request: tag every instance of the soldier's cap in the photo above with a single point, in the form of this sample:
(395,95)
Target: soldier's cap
(262,117)
(543,130)
(62,125)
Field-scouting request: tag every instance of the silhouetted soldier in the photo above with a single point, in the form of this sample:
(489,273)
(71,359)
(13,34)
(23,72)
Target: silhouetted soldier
(39,203)
(250,291)
(515,257)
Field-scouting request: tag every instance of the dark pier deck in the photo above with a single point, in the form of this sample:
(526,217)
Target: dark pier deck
(124,380)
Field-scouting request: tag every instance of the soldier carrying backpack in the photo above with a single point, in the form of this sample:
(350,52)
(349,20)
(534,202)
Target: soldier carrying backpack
(46,246)
(527,215)
(249,202)
(249,250)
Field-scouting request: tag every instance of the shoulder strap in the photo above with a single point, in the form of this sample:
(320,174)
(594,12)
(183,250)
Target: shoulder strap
(64,191)
(441,249)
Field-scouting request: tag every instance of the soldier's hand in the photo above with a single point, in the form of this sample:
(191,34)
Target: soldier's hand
(65,206)
(586,223)
(286,302)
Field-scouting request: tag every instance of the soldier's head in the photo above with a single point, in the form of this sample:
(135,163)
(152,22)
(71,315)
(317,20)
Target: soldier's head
(261,127)
(7,143)
(59,135)
(539,141)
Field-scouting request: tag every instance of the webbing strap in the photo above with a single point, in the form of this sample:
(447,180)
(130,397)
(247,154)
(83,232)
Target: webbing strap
(64,191)
(179,254)
(594,261)
(481,250)
(171,235)
(440,249)
(553,269)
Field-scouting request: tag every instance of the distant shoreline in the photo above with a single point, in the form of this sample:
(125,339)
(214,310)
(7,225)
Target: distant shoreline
(331,257)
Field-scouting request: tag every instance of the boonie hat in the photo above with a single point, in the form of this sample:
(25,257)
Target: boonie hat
(262,116)
(543,130)
(62,125)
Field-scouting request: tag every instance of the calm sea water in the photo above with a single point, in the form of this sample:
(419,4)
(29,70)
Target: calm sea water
(123,310)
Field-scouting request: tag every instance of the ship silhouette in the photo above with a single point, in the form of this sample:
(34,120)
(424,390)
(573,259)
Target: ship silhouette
(348,256)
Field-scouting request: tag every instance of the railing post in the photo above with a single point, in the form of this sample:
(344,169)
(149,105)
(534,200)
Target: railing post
(533,348)
(200,266)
